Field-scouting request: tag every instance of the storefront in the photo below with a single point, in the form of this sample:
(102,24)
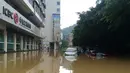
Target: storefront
(1,40)
(16,32)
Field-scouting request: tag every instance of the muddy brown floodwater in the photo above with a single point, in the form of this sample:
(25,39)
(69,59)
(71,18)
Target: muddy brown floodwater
(39,62)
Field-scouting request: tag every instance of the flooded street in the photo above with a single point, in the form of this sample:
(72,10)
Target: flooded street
(39,62)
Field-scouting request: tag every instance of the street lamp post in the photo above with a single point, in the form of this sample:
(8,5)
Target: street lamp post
(53,34)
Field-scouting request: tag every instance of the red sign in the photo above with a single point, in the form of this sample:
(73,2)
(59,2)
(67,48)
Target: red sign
(16,18)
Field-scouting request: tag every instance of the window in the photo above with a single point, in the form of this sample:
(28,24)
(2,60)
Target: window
(43,1)
(58,3)
(58,9)
(31,2)
(37,9)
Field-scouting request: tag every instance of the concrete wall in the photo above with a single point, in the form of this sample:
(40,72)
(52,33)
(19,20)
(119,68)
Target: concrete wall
(70,39)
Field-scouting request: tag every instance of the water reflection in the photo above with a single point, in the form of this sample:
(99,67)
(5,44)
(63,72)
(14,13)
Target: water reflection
(65,66)
(29,62)
(86,64)
(48,62)
(18,62)
(107,65)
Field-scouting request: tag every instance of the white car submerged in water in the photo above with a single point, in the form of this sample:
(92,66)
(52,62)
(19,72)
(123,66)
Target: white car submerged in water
(71,54)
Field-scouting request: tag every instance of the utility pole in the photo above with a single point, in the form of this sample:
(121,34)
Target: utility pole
(53,34)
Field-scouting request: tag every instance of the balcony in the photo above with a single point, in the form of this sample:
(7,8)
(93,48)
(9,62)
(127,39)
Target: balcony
(31,9)
(43,3)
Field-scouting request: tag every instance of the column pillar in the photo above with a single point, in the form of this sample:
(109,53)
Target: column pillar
(21,43)
(5,40)
(15,42)
(54,45)
(33,45)
(36,46)
(55,50)
(25,44)
(30,44)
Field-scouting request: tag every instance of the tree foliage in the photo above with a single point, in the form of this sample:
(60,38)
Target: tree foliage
(64,44)
(106,25)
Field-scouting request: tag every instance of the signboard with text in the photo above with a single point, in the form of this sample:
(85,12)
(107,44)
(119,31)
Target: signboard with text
(56,19)
(12,16)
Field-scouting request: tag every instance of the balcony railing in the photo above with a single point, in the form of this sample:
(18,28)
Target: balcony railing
(38,8)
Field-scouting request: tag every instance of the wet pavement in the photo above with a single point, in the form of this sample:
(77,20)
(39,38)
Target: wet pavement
(45,62)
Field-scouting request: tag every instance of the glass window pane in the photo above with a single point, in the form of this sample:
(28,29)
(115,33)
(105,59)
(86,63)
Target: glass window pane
(58,9)
(58,3)
(1,36)
(1,46)
(10,37)
(10,46)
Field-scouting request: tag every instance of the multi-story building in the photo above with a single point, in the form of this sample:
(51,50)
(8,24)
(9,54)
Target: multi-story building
(21,24)
(52,27)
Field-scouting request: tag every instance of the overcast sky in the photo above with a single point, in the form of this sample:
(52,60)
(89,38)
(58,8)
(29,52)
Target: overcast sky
(69,9)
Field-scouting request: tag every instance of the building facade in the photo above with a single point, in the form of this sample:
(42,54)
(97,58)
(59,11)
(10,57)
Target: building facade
(52,27)
(21,24)
(70,40)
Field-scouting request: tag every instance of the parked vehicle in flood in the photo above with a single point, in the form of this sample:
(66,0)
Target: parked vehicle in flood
(71,54)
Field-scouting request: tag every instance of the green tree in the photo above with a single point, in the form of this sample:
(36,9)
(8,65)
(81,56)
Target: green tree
(106,25)
(64,44)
